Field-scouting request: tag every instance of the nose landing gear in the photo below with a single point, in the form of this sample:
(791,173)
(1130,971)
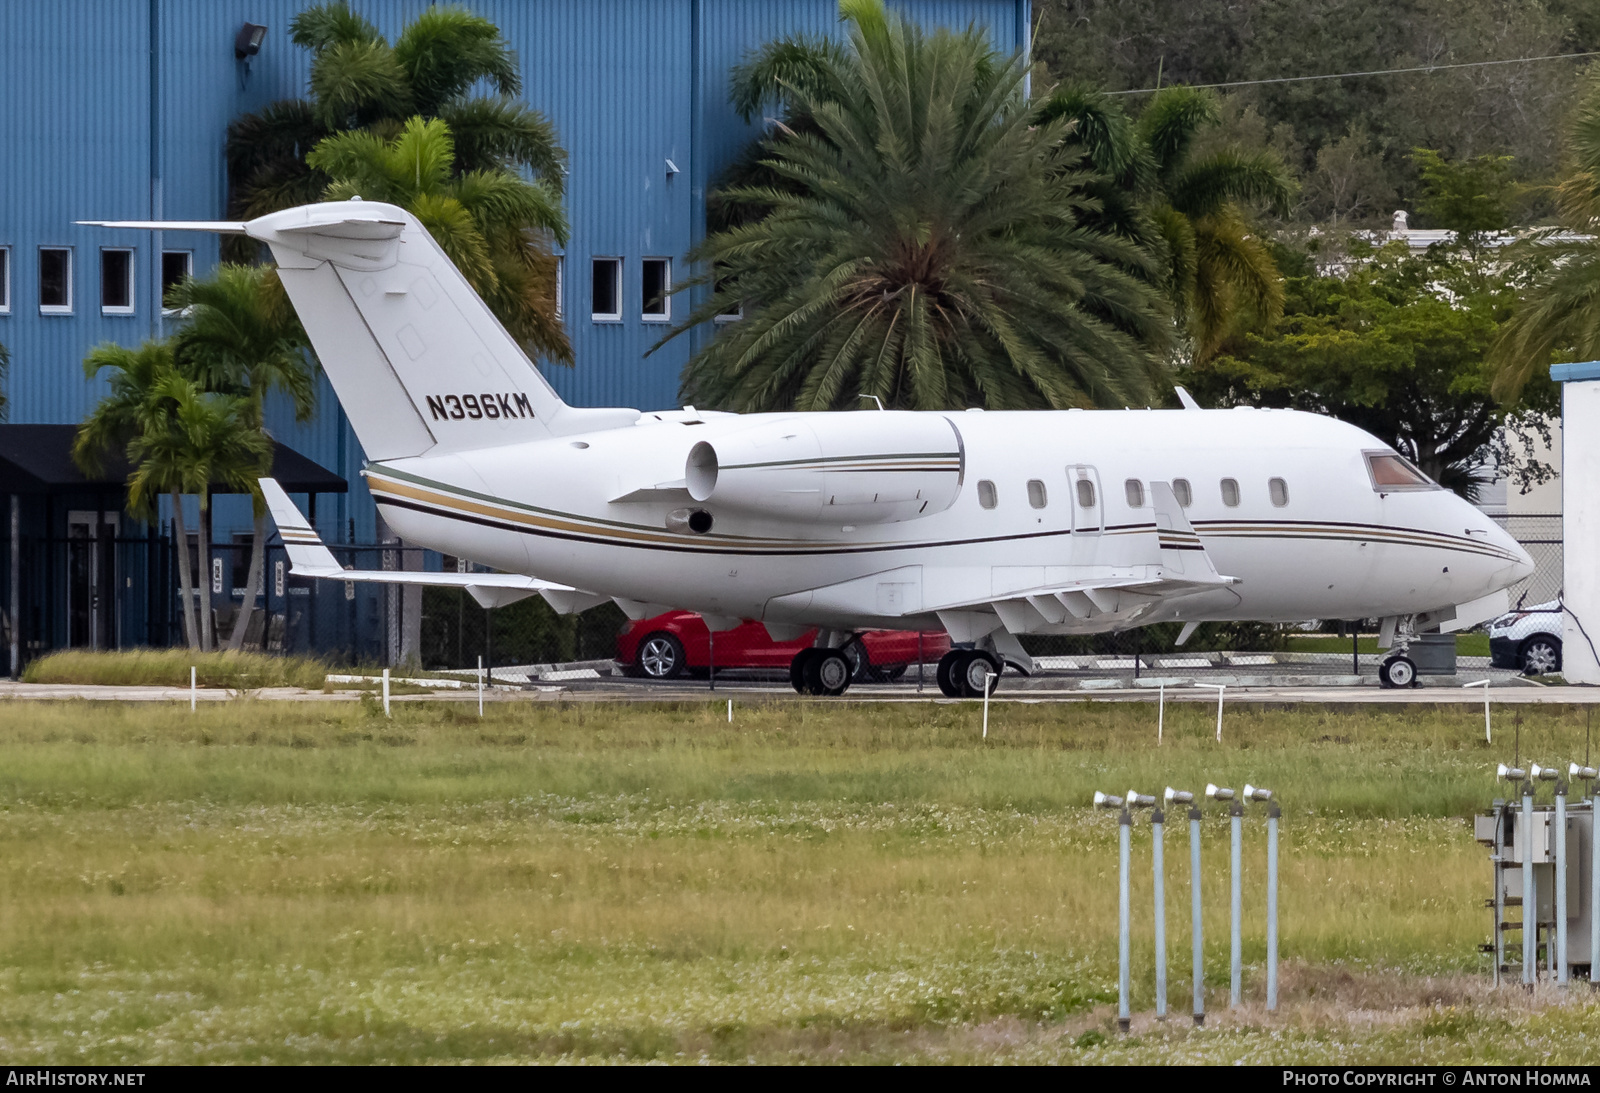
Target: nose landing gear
(1397,671)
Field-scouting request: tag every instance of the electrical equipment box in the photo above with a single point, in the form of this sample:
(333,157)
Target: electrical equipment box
(1514,846)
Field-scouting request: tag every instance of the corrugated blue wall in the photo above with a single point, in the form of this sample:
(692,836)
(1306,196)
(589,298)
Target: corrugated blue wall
(630,84)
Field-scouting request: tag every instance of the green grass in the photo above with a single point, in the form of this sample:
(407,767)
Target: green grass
(170,668)
(261,881)
(1467,645)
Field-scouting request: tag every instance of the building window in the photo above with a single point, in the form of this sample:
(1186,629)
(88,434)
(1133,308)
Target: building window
(657,285)
(605,301)
(55,281)
(177,266)
(1036,495)
(1181,490)
(1280,492)
(5,280)
(732,314)
(1230,493)
(986,494)
(1135,491)
(1085,494)
(561,287)
(116,281)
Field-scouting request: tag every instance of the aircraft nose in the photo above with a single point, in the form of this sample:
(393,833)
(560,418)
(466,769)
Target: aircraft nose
(1522,567)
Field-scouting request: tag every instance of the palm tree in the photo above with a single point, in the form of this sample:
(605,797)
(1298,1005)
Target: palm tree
(1558,317)
(134,404)
(188,441)
(359,81)
(925,244)
(242,338)
(1218,271)
(494,225)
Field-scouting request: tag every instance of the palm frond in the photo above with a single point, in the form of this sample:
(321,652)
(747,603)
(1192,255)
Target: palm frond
(1171,121)
(1202,188)
(355,82)
(501,133)
(325,25)
(447,49)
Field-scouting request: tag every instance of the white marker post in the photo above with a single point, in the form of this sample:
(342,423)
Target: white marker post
(730,711)
(988,678)
(1161,711)
(386,692)
(1484,683)
(1219,688)
(193,693)
(480,686)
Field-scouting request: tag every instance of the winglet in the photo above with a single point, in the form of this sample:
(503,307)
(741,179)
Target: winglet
(1186,398)
(1181,549)
(307,554)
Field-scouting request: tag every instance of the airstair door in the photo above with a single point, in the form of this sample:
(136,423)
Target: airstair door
(1088,508)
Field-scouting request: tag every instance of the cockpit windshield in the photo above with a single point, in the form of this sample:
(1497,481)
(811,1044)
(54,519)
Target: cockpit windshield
(1392,473)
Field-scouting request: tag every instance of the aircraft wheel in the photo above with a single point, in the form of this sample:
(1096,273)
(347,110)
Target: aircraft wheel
(861,670)
(661,656)
(797,669)
(975,672)
(1398,671)
(827,673)
(947,672)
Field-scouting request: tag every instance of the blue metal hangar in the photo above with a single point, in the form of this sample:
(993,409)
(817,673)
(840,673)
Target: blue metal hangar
(119,109)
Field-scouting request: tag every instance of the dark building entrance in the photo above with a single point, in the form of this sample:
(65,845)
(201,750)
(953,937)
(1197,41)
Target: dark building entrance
(81,573)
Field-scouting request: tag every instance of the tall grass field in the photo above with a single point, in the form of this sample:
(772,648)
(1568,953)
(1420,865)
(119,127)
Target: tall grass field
(815,882)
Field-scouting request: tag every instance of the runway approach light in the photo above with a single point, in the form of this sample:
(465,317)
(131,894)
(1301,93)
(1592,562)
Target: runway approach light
(1106,800)
(1256,793)
(1140,800)
(1582,774)
(1178,796)
(1218,793)
(1511,774)
(1543,774)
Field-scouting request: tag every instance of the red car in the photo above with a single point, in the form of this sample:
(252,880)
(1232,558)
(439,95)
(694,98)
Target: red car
(669,645)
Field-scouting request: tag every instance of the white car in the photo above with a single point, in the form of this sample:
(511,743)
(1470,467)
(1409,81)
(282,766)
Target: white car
(1528,639)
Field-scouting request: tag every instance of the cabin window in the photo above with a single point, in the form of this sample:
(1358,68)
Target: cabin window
(116,281)
(176,268)
(1392,472)
(657,287)
(1085,494)
(1135,491)
(5,280)
(1230,492)
(55,281)
(986,494)
(605,301)
(1182,491)
(1279,489)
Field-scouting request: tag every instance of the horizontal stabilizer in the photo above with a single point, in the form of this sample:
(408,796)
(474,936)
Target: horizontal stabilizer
(310,557)
(224,227)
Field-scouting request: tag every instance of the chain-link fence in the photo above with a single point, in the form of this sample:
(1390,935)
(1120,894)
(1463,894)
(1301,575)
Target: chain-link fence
(1540,536)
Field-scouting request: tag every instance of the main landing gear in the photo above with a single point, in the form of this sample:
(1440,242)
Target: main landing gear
(817,671)
(967,673)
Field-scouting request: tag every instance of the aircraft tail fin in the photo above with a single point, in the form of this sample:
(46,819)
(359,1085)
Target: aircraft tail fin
(417,359)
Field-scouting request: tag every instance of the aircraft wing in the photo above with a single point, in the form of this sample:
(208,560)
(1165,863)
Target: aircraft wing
(310,557)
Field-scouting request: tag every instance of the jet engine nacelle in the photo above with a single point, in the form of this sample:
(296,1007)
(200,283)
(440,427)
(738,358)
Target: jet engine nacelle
(868,467)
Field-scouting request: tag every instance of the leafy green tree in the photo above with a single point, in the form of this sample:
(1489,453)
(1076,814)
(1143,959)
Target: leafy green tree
(132,405)
(1473,198)
(925,244)
(1397,347)
(1559,316)
(241,338)
(359,81)
(190,440)
(495,156)
(1157,190)
(489,222)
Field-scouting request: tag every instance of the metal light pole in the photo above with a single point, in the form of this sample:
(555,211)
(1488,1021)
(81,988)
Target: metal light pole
(1196,927)
(1235,893)
(1158,866)
(1124,823)
(1530,909)
(1256,793)
(1135,799)
(1559,908)
(1588,774)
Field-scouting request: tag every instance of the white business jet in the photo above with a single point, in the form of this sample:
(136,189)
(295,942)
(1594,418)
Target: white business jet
(987,525)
